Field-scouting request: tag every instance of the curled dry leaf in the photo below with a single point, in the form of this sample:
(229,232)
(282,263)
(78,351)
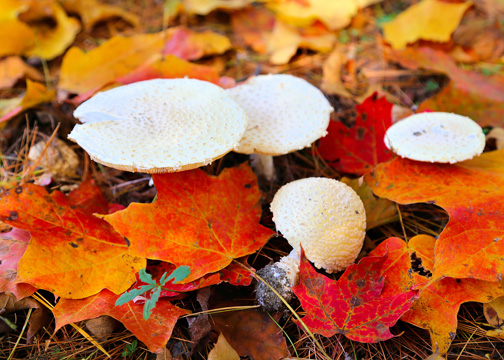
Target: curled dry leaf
(59,159)
(38,319)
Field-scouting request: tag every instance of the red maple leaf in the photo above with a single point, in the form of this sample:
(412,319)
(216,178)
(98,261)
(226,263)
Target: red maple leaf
(353,305)
(359,149)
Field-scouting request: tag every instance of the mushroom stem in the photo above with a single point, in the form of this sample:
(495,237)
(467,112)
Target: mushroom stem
(282,276)
(263,166)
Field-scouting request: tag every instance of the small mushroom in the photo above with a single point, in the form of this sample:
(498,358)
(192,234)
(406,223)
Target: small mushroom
(436,137)
(286,113)
(160,125)
(325,217)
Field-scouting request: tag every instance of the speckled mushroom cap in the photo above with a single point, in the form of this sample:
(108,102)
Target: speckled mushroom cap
(161,125)
(436,137)
(325,216)
(285,114)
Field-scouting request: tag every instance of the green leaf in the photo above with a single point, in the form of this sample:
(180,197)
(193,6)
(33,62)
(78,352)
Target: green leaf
(151,303)
(179,274)
(130,295)
(146,277)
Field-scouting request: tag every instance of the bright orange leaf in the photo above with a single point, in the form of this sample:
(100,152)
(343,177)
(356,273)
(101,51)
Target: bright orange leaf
(16,37)
(472,192)
(198,220)
(471,94)
(154,332)
(14,68)
(438,304)
(71,252)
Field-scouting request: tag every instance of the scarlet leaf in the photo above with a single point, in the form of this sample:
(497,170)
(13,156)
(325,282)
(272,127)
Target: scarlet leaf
(360,148)
(198,220)
(471,245)
(154,333)
(438,304)
(12,246)
(71,252)
(353,305)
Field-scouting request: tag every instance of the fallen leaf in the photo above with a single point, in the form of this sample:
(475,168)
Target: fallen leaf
(36,94)
(359,149)
(39,318)
(71,253)
(331,82)
(16,37)
(50,41)
(438,304)
(59,159)
(379,211)
(353,305)
(498,135)
(12,246)
(431,20)
(251,333)
(198,220)
(92,12)
(471,245)
(471,94)
(494,312)
(154,333)
(191,45)
(14,68)
(223,351)
(204,7)
(335,14)
(170,67)
(88,72)
(251,25)
(102,326)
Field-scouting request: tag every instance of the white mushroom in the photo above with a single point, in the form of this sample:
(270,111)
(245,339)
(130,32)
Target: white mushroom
(286,113)
(325,217)
(436,137)
(161,125)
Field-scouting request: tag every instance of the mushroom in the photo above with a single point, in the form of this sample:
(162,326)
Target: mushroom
(160,125)
(286,113)
(436,137)
(326,218)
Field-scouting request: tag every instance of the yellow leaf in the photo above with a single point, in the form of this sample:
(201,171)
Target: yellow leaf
(331,82)
(36,93)
(431,20)
(92,12)
(84,72)
(204,7)
(335,14)
(14,68)
(282,43)
(15,36)
(51,42)
(223,351)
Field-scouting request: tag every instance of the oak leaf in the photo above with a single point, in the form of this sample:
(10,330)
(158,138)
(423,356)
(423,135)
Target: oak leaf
(471,245)
(71,252)
(432,20)
(154,333)
(353,305)
(198,220)
(438,303)
(360,148)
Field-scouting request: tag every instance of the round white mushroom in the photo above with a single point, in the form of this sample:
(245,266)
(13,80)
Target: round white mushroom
(286,113)
(436,137)
(323,216)
(161,125)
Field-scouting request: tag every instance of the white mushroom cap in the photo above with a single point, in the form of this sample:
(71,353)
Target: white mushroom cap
(285,114)
(436,137)
(323,215)
(161,125)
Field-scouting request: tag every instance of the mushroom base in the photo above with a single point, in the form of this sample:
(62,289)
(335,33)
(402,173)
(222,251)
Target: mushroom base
(278,278)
